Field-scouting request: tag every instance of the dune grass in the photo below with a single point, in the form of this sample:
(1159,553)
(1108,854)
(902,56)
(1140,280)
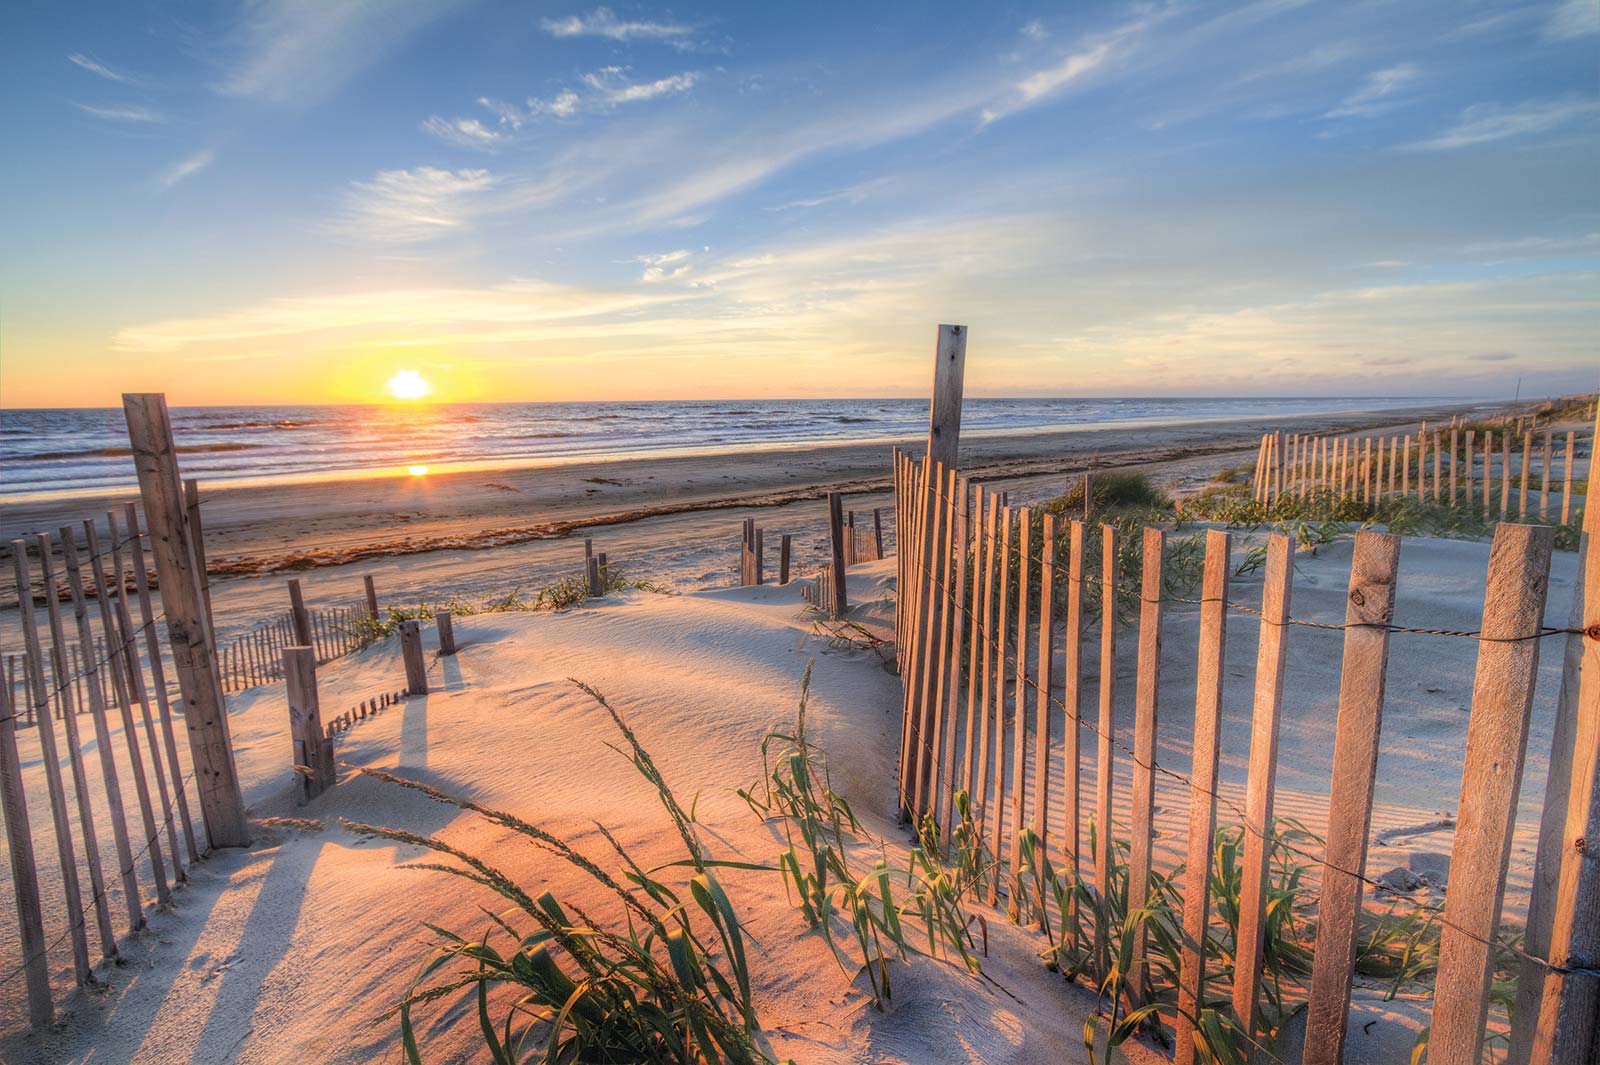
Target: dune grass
(548,981)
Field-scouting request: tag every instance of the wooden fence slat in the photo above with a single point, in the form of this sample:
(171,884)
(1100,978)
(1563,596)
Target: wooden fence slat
(1369,610)
(986,627)
(1147,700)
(1544,478)
(1104,763)
(1202,791)
(1527,454)
(1045,688)
(911,671)
(98,896)
(1566,1020)
(24,877)
(158,677)
(109,777)
(1019,719)
(971,747)
(932,611)
(945,727)
(130,735)
(1071,736)
(1505,476)
(997,828)
(1271,654)
(1566,479)
(1497,738)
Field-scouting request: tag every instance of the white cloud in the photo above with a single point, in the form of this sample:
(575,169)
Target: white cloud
(184,169)
(853,194)
(1091,54)
(1483,123)
(1377,94)
(598,91)
(405,206)
(1035,31)
(664,267)
(601,22)
(95,67)
(1573,19)
(611,88)
(463,132)
(122,113)
(292,51)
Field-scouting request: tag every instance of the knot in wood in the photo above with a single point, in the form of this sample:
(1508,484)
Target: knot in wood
(1357,598)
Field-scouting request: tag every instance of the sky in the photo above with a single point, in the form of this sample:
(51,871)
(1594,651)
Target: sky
(289,201)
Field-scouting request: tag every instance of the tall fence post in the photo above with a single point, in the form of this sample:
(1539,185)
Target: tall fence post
(191,507)
(411,651)
(372,597)
(1145,722)
(313,753)
(1497,738)
(1369,610)
(188,630)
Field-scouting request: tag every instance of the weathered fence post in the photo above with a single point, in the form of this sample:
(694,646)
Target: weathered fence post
(1369,611)
(1497,737)
(313,754)
(592,572)
(372,597)
(447,632)
(297,611)
(839,603)
(783,559)
(411,651)
(188,630)
(191,506)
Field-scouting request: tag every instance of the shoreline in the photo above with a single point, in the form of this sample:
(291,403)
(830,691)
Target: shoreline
(256,528)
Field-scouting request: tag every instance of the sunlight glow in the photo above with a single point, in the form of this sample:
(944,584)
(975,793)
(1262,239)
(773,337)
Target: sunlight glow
(408,384)
(417,471)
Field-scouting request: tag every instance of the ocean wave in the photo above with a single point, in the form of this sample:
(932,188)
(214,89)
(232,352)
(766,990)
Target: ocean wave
(124,452)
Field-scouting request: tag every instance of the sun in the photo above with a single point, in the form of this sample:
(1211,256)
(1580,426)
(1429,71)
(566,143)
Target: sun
(408,384)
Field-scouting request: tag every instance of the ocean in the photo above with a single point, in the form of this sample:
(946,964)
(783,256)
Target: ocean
(48,453)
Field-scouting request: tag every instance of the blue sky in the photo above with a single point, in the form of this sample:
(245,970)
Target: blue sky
(285,201)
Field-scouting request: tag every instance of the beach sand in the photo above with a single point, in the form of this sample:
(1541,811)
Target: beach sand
(287,950)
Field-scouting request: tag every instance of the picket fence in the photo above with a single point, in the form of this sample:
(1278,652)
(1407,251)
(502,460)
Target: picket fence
(981,645)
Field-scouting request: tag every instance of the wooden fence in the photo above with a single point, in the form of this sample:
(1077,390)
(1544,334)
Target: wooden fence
(1488,469)
(256,656)
(994,626)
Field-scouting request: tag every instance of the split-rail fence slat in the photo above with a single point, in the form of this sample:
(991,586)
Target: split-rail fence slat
(978,646)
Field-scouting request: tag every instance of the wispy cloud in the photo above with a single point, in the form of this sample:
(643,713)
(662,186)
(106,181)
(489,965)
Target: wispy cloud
(294,51)
(853,194)
(597,91)
(122,113)
(96,67)
(186,168)
(463,132)
(1573,19)
(1088,56)
(601,22)
(1377,95)
(666,266)
(1484,123)
(406,206)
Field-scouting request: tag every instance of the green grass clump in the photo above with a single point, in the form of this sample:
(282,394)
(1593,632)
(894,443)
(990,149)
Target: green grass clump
(1112,490)
(671,985)
(819,828)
